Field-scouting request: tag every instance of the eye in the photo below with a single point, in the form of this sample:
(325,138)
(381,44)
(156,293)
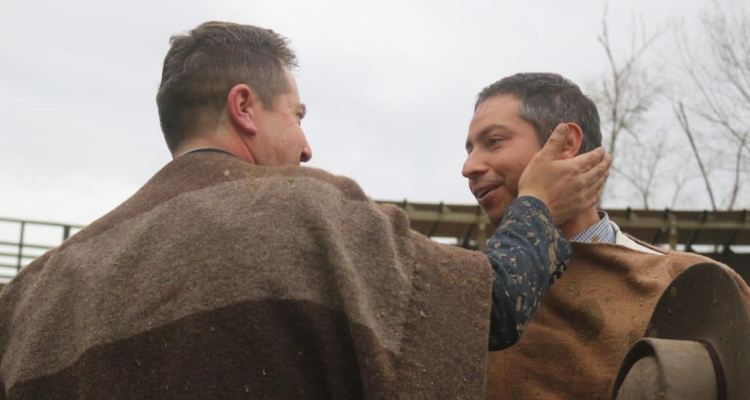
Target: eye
(493,141)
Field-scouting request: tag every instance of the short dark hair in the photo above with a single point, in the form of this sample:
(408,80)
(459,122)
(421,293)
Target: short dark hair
(202,66)
(547,100)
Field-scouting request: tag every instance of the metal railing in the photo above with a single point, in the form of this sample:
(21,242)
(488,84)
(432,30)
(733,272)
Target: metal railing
(723,235)
(22,241)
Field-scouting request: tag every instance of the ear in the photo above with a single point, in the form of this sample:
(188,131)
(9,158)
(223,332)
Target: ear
(573,142)
(242,105)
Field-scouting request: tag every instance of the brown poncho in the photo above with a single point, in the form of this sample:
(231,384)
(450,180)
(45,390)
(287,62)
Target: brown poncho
(223,280)
(573,347)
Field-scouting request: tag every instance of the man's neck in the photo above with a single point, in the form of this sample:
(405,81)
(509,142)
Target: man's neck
(233,147)
(580,223)
(190,144)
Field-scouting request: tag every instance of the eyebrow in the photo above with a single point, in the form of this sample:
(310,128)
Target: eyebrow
(483,134)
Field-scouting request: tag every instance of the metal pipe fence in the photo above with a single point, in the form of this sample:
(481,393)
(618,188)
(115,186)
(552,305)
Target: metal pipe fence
(22,241)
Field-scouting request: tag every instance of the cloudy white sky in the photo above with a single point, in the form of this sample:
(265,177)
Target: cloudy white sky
(389,86)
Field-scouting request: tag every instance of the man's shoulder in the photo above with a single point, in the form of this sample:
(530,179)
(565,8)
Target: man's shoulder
(214,169)
(628,241)
(205,174)
(631,242)
(681,260)
(196,183)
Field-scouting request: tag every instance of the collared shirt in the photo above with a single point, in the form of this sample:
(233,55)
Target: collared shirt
(600,232)
(206,150)
(527,253)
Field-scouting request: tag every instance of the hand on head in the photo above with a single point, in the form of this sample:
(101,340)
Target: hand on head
(569,186)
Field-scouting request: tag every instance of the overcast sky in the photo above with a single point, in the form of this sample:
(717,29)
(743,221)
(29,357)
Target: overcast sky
(389,86)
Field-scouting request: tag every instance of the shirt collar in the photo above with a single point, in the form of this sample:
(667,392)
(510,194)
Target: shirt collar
(206,150)
(600,232)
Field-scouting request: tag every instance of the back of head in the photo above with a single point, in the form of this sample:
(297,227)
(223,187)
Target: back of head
(203,65)
(547,100)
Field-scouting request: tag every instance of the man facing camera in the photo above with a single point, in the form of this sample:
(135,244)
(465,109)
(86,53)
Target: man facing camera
(573,347)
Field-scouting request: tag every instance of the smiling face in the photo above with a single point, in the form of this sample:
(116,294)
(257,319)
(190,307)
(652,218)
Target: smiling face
(500,144)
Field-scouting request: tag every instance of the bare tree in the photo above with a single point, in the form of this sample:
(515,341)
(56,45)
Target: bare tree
(714,68)
(625,95)
(685,124)
(708,93)
(643,169)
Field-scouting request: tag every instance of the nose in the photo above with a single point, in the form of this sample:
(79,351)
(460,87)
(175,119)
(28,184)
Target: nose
(473,166)
(306,154)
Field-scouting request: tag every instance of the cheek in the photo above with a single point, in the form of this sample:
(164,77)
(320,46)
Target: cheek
(521,162)
(510,169)
(301,138)
(511,174)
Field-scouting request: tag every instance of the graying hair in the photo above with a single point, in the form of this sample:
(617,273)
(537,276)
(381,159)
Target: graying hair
(547,100)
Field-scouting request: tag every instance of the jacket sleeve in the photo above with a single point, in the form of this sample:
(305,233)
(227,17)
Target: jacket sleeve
(527,253)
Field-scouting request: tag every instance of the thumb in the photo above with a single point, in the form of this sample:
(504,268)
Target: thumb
(556,143)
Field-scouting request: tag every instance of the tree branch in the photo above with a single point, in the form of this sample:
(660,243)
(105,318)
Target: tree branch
(683,119)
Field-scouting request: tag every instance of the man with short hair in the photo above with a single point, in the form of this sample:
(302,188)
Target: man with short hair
(573,347)
(228,86)
(234,273)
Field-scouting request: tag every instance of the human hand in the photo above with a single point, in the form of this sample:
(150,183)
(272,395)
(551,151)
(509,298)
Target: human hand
(569,186)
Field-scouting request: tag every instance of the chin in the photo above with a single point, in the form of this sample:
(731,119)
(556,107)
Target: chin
(496,216)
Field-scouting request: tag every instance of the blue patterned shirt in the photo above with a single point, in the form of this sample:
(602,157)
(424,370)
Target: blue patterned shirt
(600,232)
(527,253)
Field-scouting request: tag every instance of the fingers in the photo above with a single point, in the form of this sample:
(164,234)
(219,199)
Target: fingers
(603,166)
(594,181)
(601,173)
(556,143)
(597,176)
(587,161)
(599,196)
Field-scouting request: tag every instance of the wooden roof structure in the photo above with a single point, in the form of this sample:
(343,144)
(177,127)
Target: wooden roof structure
(721,235)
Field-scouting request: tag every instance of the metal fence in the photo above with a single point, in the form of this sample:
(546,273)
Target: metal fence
(722,235)
(22,241)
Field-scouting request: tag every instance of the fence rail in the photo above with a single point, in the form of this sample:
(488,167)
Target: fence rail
(722,235)
(22,241)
